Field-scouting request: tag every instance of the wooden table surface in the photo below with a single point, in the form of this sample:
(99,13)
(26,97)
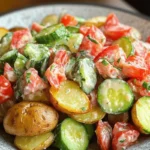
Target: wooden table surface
(9,5)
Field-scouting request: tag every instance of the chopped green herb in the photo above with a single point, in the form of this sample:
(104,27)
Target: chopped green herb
(118,60)
(92,40)
(52,67)
(146,85)
(122,140)
(83,108)
(104,62)
(28,77)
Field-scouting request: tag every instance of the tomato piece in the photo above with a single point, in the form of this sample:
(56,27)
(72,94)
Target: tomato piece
(140,87)
(61,57)
(93,41)
(106,70)
(20,38)
(113,29)
(140,48)
(122,126)
(84,29)
(148,39)
(69,20)
(124,135)
(114,55)
(135,67)
(9,73)
(104,135)
(55,74)
(6,91)
(108,53)
(33,82)
(36,27)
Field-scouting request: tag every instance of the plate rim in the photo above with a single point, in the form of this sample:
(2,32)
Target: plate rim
(137,14)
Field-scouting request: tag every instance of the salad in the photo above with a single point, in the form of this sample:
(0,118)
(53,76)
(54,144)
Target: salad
(68,81)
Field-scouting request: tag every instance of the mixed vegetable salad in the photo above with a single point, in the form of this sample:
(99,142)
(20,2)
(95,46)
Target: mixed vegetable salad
(68,81)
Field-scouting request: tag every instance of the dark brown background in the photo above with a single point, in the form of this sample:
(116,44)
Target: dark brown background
(9,5)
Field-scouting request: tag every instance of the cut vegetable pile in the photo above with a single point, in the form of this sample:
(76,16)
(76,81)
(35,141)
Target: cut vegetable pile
(68,82)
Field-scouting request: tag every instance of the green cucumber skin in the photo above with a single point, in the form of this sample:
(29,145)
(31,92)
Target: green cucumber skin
(46,37)
(115,111)
(73,29)
(5,43)
(59,143)
(38,55)
(20,62)
(90,130)
(86,81)
(9,57)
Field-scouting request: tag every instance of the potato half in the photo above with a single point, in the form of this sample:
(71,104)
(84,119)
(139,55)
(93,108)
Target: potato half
(69,98)
(91,117)
(30,119)
(141,114)
(38,142)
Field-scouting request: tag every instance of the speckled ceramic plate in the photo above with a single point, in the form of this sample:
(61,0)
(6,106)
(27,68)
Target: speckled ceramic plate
(26,16)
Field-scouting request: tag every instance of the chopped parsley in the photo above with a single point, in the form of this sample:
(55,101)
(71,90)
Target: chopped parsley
(122,140)
(104,62)
(146,85)
(92,40)
(28,77)
(83,108)
(118,60)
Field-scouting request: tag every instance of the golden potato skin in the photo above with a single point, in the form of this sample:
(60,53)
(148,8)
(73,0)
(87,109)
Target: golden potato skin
(135,119)
(30,119)
(39,142)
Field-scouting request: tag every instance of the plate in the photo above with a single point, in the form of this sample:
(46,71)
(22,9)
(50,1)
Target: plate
(26,16)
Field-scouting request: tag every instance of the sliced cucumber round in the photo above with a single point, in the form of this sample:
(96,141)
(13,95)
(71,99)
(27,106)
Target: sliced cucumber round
(71,135)
(126,45)
(141,114)
(115,96)
(9,57)
(51,34)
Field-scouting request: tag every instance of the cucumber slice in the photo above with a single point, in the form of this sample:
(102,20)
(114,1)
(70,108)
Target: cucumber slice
(71,135)
(19,64)
(9,57)
(141,114)
(38,55)
(86,75)
(115,96)
(36,52)
(126,45)
(70,67)
(73,29)
(51,34)
(74,42)
(5,43)
(90,130)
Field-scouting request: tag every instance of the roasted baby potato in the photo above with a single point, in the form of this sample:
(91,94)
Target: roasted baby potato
(69,98)
(141,114)
(38,142)
(50,20)
(97,21)
(91,117)
(3,31)
(30,119)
